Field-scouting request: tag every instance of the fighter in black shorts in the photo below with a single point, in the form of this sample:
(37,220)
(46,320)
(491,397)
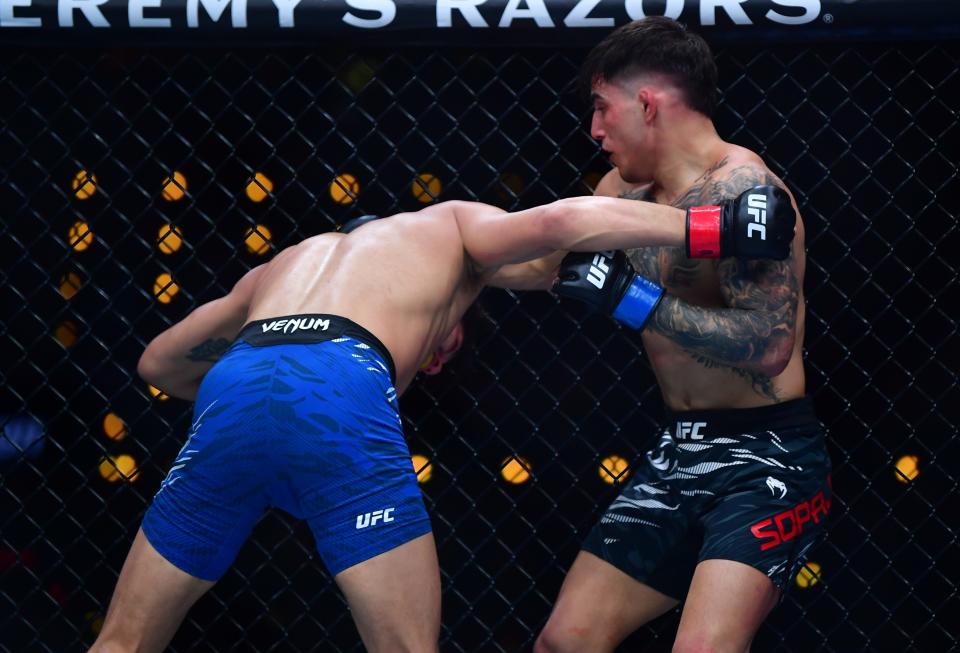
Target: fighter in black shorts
(715,488)
(726,505)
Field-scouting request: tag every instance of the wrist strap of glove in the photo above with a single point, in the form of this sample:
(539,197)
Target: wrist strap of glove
(638,303)
(703,231)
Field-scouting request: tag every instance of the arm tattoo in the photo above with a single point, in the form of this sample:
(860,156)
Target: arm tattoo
(761,296)
(209,351)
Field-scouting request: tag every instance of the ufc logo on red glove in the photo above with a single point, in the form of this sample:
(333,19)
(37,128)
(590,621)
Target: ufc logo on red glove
(757,209)
(597,274)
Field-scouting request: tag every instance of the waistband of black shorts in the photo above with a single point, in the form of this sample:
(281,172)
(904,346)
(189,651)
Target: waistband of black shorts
(796,413)
(312,328)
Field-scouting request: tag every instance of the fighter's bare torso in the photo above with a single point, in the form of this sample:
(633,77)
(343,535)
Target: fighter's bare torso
(409,297)
(689,377)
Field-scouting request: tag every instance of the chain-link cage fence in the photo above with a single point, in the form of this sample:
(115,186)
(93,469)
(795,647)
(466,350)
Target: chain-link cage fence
(136,184)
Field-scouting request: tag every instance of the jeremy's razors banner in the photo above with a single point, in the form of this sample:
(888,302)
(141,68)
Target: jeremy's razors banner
(518,23)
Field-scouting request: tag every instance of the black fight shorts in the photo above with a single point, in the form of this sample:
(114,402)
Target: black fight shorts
(749,485)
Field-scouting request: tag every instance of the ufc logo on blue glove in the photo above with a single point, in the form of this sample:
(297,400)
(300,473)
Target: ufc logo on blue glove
(597,274)
(757,209)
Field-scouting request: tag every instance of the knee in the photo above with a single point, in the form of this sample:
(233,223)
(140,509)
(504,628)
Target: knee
(397,646)
(403,640)
(547,642)
(107,645)
(700,642)
(554,639)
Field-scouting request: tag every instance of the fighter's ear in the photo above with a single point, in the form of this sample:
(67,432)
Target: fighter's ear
(649,102)
(452,344)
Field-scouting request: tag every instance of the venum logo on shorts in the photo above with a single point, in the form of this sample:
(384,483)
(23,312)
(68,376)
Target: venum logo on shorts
(296,324)
(776,485)
(371,518)
(788,524)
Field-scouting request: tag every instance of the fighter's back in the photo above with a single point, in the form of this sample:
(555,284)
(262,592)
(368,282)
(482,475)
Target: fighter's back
(405,279)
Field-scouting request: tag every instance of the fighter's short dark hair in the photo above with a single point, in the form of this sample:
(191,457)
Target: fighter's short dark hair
(656,45)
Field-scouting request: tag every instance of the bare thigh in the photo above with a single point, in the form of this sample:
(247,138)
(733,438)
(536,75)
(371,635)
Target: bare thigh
(598,607)
(150,601)
(395,597)
(727,603)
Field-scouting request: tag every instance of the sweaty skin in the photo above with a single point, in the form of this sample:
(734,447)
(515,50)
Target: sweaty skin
(717,358)
(407,279)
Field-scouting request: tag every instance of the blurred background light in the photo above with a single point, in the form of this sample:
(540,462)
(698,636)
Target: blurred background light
(70,284)
(114,427)
(423,467)
(164,288)
(613,469)
(259,187)
(257,240)
(84,184)
(22,438)
(809,575)
(907,468)
(174,189)
(515,469)
(426,187)
(114,469)
(80,236)
(344,188)
(169,239)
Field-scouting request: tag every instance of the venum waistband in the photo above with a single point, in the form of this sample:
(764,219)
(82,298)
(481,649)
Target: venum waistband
(708,424)
(311,328)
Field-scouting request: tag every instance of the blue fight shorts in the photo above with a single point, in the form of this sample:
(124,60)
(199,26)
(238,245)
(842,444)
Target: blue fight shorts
(300,414)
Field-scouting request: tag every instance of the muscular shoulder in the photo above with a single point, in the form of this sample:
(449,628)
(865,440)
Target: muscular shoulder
(613,185)
(430,235)
(738,170)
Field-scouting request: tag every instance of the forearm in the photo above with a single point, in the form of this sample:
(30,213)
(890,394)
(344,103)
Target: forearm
(583,224)
(493,238)
(177,359)
(757,341)
(538,274)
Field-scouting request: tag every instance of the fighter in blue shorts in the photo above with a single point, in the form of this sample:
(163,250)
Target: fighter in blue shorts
(265,434)
(296,373)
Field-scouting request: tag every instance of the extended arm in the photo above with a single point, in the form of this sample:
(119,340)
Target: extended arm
(177,359)
(494,238)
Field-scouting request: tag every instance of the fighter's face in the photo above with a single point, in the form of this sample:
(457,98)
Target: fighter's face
(618,123)
(446,350)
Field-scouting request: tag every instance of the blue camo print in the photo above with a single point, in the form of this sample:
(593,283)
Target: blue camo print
(312,429)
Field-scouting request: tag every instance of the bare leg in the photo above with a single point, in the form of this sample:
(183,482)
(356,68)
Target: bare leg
(727,603)
(151,599)
(598,606)
(395,598)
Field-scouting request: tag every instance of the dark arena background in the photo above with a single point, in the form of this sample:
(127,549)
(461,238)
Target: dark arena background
(142,176)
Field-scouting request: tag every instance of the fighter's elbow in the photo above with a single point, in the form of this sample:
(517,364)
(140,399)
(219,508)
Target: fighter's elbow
(776,356)
(558,224)
(148,368)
